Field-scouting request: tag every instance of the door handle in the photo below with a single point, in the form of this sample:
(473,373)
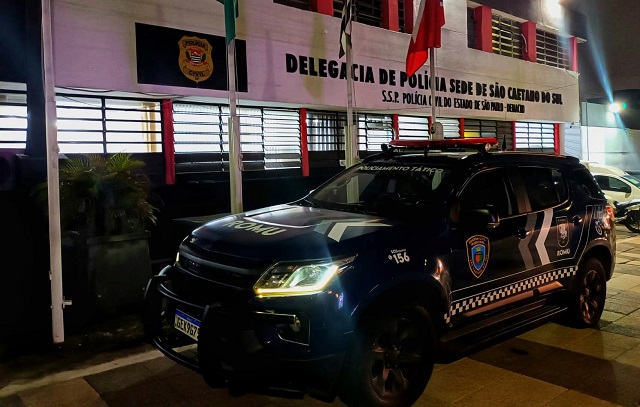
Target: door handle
(576,220)
(522,233)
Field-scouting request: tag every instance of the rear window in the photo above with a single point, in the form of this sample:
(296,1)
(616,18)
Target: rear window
(546,187)
(584,184)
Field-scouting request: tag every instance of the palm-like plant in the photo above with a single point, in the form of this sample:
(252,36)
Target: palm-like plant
(102,196)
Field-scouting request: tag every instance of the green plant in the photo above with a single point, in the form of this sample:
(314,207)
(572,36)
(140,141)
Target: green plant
(103,195)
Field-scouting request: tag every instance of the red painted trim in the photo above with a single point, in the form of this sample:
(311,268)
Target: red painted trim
(322,6)
(529,33)
(482,17)
(461,127)
(304,147)
(168,142)
(556,138)
(395,123)
(408,16)
(513,135)
(573,47)
(390,19)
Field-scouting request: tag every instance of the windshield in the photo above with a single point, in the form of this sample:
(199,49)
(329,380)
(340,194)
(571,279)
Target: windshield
(635,181)
(380,189)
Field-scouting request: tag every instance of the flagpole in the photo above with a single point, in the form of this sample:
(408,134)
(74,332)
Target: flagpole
(351,146)
(235,152)
(53,178)
(351,142)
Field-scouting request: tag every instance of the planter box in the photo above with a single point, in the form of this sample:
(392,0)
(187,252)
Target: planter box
(104,275)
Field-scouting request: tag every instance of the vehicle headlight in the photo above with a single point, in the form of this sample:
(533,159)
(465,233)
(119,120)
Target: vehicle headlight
(300,278)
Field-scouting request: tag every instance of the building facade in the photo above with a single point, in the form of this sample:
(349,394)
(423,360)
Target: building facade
(124,81)
(151,78)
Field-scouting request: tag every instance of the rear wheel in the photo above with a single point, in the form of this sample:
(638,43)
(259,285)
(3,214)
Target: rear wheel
(633,221)
(589,294)
(391,360)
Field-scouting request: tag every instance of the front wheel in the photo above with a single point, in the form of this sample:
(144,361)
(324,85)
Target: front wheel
(391,360)
(633,221)
(589,294)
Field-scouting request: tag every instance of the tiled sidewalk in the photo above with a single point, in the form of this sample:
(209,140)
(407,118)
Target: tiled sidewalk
(552,365)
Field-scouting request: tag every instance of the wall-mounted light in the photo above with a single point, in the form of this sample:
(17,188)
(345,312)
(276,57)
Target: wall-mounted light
(617,107)
(553,9)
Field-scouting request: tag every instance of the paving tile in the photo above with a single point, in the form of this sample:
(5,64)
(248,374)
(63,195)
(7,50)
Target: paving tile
(574,398)
(11,401)
(76,392)
(621,307)
(164,367)
(544,362)
(630,357)
(150,393)
(513,390)
(630,331)
(614,382)
(609,316)
(625,268)
(118,379)
(461,379)
(555,334)
(624,281)
(604,345)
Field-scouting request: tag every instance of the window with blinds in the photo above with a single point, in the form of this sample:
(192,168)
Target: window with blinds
(269,138)
(373,131)
(471,28)
(367,12)
(552,49)
(417,128)
(506,37)
(301,4)
(325,130)
(480,128)
(13,118)
(88,124)
(535,137)
(413,128)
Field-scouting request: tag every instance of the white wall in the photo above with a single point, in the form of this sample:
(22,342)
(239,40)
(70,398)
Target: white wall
(94,43)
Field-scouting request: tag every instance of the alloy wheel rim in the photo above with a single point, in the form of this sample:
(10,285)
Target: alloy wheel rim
(591,295)
(397,357)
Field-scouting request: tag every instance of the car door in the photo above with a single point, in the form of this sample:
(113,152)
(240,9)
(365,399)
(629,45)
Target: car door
(488,224)
(556,226)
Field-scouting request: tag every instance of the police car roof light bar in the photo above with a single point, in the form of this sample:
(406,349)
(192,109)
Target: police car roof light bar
(481,144)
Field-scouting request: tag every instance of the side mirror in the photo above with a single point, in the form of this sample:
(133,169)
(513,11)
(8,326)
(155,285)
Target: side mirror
(479,218)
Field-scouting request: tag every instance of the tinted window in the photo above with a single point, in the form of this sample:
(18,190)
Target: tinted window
(546,187)
(488,189)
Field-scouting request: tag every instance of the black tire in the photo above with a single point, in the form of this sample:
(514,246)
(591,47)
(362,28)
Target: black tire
(589,294)
(391,360)
(633,221)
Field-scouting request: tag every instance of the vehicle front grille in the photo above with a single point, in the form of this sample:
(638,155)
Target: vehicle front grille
(241,279)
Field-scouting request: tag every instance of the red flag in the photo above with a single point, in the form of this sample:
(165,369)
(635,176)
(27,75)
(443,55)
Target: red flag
(427,33)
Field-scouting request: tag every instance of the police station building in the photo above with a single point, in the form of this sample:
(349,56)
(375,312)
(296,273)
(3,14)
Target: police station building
(151,78)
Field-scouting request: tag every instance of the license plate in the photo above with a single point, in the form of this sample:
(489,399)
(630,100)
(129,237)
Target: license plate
(186,324)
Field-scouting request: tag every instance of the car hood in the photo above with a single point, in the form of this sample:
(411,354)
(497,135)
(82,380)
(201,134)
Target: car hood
(288,232)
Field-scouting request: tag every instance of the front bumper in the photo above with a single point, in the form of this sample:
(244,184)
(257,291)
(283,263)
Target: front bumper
(237,343)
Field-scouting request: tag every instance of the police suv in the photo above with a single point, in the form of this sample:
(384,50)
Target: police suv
(357,289)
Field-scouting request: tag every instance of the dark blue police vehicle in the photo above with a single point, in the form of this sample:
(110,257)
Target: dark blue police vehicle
(357,289)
